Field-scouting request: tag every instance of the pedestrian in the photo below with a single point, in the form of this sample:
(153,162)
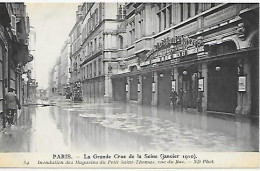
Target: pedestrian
(199,101)
(11,102)
(185,99)
(173,96)
(180,102)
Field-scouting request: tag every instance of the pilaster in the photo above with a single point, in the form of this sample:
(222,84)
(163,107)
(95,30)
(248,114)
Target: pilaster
(155,89)
(204,71)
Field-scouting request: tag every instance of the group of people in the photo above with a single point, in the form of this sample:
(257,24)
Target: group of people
(181,100)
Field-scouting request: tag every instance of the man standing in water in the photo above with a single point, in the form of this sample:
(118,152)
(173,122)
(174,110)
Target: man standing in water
(11,102)
(173,97)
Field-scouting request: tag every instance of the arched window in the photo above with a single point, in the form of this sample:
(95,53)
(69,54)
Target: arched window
(133,68)
(121,42)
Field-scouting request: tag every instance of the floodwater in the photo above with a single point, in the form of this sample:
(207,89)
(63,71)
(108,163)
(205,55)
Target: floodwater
(112,127)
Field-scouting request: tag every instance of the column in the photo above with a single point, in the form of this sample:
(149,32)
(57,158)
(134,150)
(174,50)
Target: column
(128,92)
(176,76)
(140,93)
(155,93)
(205,93)
(108,89)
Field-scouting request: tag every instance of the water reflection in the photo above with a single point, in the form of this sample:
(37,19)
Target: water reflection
(126,128)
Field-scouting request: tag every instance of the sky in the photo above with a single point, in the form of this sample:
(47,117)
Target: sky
(53,23)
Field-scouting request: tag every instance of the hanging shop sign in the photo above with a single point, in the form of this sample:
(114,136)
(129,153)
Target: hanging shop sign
(201,84)
(153,87)
(126,87)
(242,83)
(174,84)
(171,48)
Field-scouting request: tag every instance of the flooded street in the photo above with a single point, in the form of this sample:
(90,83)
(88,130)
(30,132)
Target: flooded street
(81,127)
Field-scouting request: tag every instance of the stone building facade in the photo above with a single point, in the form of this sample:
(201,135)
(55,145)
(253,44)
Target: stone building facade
(210,50)
(14,53)
(99,50)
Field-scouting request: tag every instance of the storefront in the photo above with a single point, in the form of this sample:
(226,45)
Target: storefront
(188,81)
(164,88)
(134,80)
(147,82)
(119,89)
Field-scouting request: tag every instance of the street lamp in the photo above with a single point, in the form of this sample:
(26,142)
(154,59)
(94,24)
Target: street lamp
(218,68)
(185,72)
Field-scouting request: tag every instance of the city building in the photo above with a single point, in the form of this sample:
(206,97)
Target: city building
(75,50)
(99,50)
(53,79)
(209,50)
(14,53)
(64,68)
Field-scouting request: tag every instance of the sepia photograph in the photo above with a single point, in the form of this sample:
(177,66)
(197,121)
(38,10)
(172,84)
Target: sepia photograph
(129,84)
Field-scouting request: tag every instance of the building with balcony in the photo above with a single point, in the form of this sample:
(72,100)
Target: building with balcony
(64,67)
(75,48)
(99,50)
(14,53)
(209,50)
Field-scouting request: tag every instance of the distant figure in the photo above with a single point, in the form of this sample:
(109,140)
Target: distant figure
(180,102)
(12,102)
(185,99)
(173,97)
(199,101)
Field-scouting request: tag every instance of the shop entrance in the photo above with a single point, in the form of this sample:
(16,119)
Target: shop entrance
(133,88)
(188,80)
(147,89)
(164,88)
(119,90)
(222,86)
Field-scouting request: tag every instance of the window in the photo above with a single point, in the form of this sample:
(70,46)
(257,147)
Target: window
(95,68)
(164,18)
(95,44)
(141,24)
(196,8)
(87,71)
(96,16)
(93,20)
(181,6)
(100,11)
(90,70)
(120,38)
(132,31)
(160,21)
(99,66)
(170,15)
(89,26)
(189,10)
(100,42)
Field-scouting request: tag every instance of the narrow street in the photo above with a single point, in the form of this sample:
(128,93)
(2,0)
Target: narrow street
(82,127)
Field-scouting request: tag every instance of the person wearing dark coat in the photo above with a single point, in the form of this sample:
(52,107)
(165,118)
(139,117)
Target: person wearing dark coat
(185,99)
(173,96)
(11,102)
(180,102)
